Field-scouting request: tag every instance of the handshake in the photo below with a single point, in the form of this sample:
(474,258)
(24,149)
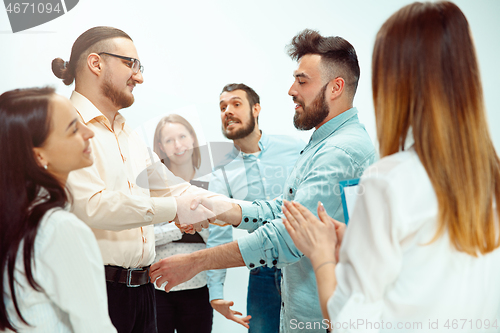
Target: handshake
(195,212)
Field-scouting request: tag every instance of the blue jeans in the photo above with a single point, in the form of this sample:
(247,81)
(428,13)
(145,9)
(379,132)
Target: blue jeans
(264,299)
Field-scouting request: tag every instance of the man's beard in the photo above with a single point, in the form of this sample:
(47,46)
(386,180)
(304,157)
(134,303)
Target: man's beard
(118,98)
(312,115)
(242,132)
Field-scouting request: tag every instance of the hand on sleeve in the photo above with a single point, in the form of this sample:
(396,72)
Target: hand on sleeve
(317,239)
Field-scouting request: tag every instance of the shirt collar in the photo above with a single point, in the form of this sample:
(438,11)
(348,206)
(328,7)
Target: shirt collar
(332,125)
(89,111)
(264,140)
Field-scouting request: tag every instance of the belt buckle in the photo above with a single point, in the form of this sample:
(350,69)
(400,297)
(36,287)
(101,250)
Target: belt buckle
(129,277)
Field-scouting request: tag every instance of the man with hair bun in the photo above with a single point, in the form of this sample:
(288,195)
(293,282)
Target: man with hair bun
(113,196)
(340,148)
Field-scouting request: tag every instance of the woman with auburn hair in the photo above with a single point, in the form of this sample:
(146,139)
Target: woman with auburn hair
(422,242)
(186,308)
(52,273)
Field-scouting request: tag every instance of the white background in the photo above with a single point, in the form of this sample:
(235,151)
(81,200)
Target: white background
(191,49)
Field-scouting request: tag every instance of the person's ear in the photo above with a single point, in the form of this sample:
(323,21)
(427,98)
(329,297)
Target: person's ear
(94,63)
(40,157)
(256,110)
(335,88)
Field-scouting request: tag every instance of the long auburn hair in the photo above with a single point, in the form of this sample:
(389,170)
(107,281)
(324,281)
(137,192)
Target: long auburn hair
(24,124)
(425,77)
(176,119)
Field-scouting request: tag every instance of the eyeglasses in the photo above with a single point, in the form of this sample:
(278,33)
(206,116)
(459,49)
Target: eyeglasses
(136,64)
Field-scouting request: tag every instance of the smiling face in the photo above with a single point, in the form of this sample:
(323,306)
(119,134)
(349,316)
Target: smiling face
(308,92)
(236,115)
(119,80)
(177,143)
(67,147)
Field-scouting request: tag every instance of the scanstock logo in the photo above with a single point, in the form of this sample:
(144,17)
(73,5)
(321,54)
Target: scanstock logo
(28,14)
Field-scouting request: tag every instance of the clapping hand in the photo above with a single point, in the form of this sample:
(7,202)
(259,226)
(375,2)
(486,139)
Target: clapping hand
(314,237)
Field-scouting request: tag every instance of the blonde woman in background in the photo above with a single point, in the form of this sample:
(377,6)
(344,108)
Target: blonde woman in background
(421,249)
(186,308)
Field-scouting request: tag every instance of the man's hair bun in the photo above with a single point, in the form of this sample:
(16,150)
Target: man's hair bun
(60,68)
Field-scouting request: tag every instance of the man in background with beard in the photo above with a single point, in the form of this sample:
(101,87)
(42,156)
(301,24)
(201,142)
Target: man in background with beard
(256,169)
(340,148)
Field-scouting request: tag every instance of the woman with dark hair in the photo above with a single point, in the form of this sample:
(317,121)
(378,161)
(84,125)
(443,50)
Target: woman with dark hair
(186,308)
(53,277)
(422,248)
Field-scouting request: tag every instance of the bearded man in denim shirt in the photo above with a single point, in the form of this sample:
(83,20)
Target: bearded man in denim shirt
(340,148)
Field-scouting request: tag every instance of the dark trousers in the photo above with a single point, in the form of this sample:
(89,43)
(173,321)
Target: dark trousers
(132,309)
(264,299)
(187,311)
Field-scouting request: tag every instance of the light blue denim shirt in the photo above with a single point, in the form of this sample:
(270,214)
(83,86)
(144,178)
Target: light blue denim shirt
(250,177)
(340,149)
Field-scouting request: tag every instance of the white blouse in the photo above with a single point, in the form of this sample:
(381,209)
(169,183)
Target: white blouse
(390,279)
(165,234)
(69,268)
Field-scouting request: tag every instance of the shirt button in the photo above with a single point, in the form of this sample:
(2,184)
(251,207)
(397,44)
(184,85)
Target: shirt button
(262,261)
(263,179)
(251,265)
(264,222)
(246,219)
(275,262)
(291,191)
(254,220)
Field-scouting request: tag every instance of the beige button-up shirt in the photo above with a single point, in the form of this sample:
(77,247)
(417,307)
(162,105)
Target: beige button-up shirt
(124,192)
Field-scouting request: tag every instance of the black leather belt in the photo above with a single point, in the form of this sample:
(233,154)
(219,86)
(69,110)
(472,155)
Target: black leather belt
(132,277)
